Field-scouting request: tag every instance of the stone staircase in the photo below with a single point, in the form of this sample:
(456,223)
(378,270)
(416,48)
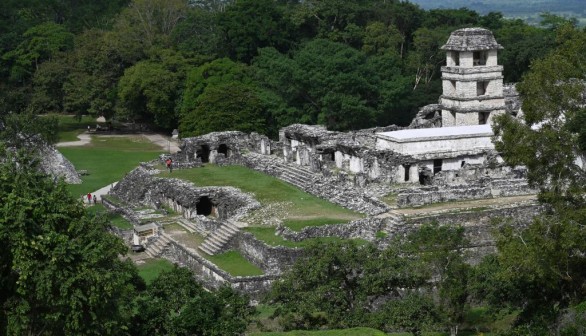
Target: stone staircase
(296,175)
(219,238)
(393,221)
(155,249)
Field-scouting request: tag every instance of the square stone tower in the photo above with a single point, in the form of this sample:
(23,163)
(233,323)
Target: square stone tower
(472,80)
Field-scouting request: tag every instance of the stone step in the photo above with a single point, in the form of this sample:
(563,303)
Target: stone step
(187,225)
(156,248)
(292,181)
(219,238)
(297,174)
(205,249)
(301,180)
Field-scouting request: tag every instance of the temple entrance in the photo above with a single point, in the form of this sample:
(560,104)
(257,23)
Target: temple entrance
(204,206)
(204,153)
(223,149)
(437,166)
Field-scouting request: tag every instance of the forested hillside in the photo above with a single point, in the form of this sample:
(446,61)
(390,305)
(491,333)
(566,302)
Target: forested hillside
(529,10)
(207,65)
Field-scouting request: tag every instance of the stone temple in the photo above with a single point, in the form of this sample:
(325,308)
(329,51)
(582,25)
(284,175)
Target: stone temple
(386,173)
(472,84)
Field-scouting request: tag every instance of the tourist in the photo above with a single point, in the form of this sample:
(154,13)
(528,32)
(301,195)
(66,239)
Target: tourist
(89,198)
(94,199)
(169,163)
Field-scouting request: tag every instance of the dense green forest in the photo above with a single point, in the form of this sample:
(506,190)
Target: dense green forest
(258,65)
(207,65)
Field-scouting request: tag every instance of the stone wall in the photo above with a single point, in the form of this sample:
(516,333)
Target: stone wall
(484,189)
(139,187)
(479,225)
(212,277)
(273,260)
(55,164)
(366,229)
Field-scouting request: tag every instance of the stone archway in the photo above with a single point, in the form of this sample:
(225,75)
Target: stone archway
(223,148)
(204,206)
(204,153)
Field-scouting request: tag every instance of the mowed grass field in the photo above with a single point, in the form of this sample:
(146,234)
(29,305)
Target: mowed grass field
(70,126)
(150,269)
(107,159)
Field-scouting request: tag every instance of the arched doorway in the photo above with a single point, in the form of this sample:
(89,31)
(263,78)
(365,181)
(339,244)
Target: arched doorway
(204,153)
(223,149)
(204,206)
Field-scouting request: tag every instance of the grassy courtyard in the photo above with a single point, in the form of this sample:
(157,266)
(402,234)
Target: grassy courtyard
(150,269)
(107,159)
(267,189)
(301,210)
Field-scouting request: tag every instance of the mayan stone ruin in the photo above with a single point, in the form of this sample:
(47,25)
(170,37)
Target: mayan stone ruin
(387,174)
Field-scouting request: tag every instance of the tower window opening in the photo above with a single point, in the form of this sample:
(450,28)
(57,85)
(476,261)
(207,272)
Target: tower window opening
(483,118)
(481,87)
(455,55)
(479,57)
(407,168)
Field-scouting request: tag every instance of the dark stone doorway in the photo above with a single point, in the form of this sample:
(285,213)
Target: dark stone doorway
(204,153)
(223,149)
(204,206)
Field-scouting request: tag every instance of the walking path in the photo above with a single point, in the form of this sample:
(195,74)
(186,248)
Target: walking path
(166,143)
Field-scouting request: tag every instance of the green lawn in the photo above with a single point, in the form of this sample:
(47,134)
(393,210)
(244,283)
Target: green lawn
(267,189)
(116,219)
(151,268)
(107,159)
(235,264)
(345,332)
(70,126)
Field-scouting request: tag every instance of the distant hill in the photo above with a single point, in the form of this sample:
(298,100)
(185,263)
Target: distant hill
(526,9)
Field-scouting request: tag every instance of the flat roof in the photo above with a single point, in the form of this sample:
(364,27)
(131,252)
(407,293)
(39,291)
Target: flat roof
(439,132)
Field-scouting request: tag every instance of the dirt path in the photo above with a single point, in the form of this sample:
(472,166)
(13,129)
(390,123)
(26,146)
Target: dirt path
(166,143)
(491,202)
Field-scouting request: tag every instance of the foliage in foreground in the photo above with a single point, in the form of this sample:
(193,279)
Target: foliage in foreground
(541,270)
(342,284)
(61,274)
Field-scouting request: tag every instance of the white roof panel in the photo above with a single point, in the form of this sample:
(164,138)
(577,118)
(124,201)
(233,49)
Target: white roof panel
(439,132)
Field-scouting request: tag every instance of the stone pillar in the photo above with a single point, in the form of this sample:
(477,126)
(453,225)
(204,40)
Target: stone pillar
(414,173)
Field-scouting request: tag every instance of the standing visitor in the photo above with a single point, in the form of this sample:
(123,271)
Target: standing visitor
(169,163)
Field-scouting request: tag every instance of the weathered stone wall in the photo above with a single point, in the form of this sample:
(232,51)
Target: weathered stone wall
(212,277)
(366,228)
(141,188)
(484,189)
(272,260)
(55,164)
(480,224)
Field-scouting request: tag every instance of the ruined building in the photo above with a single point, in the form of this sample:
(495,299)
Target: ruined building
(448,145)
(446,154)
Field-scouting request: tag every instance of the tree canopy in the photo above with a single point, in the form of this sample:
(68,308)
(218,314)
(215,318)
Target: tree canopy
(351,65)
